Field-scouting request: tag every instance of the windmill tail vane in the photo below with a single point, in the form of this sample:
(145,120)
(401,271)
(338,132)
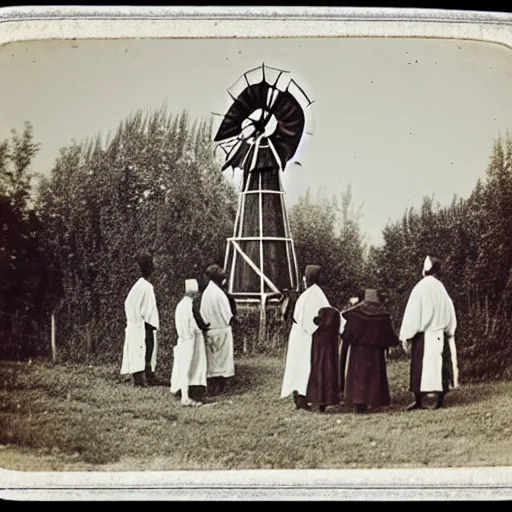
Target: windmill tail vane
(260,133)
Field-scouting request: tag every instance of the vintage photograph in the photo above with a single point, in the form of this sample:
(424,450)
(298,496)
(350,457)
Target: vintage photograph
(263,253)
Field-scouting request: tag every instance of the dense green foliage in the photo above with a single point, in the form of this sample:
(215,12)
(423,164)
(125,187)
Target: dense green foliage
(155,185)
(326,232)
(67,246)
(473,238)
(24,275)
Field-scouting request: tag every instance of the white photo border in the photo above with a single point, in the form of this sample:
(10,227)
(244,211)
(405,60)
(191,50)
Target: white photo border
(35,23)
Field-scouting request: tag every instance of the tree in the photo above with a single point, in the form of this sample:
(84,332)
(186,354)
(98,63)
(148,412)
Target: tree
(473,238)
(326,232)
(154,184)
(22,257)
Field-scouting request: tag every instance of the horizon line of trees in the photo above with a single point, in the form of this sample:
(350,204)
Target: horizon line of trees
(63,252)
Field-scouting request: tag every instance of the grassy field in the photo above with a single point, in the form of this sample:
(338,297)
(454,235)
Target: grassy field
(65,418)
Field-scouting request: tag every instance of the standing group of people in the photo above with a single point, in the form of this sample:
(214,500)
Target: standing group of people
(204,353)
(332,356)
(338,356)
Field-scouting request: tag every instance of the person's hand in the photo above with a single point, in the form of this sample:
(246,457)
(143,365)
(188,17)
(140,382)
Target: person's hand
(406,345)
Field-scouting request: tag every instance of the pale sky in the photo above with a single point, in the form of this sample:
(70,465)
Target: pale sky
(395,118)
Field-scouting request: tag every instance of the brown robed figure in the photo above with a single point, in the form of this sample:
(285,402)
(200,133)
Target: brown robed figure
(324,380)
(367,335)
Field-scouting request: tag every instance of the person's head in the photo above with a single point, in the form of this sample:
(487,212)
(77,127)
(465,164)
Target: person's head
(191,287)
(216,274)
(313,275)
(145,262)
(432,267)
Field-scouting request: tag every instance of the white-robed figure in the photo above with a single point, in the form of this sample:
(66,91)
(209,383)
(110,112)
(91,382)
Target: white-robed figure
(216,311)
(427,334)
(189,365)
(142,322)
(298,356)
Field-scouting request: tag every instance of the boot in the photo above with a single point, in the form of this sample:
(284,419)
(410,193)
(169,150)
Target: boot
(139,381)
(361,408)
(221,385)
(300,403)
(417,404)
(152,379)
(440,401)
(149,376)
(212,386)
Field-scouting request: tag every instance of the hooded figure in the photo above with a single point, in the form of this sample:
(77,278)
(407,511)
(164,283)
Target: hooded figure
(189,365)
(142,322)
(368,334)
(324,383)
(428,336)
(298,357)
(216,311)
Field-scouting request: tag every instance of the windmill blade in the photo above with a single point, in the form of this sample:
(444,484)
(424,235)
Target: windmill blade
(293,83)
(252,98)
(288,105)
(276,69)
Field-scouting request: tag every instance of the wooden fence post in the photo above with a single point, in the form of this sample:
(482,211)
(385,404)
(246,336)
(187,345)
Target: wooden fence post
(54,346)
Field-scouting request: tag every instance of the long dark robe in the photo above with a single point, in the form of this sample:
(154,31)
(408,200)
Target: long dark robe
(323,385)
(416,369)
(367,335)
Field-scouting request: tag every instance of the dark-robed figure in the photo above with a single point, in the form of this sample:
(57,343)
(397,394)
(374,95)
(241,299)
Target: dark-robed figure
(324,380)
(367,335)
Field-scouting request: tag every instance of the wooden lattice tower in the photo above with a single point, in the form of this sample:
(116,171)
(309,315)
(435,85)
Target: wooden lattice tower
(260,133)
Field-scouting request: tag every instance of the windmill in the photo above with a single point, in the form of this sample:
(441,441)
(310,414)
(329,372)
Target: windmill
(260,133)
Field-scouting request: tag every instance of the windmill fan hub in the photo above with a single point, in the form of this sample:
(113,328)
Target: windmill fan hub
(259,123)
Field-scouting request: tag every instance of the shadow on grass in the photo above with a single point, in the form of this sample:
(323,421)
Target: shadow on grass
(248,378)
(79,438)
(460,397)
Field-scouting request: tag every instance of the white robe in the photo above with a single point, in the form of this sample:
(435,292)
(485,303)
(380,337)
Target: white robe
(430,311)
(216,311)
(140,306)
(189,364)
(298,357)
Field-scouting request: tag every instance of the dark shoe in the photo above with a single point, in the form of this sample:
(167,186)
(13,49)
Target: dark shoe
(153,380)
(418,402)
(139,381)
(301,403)
(221,385)
(321,408)
(212,387)
(361,408)
(440,401)
(197,393)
